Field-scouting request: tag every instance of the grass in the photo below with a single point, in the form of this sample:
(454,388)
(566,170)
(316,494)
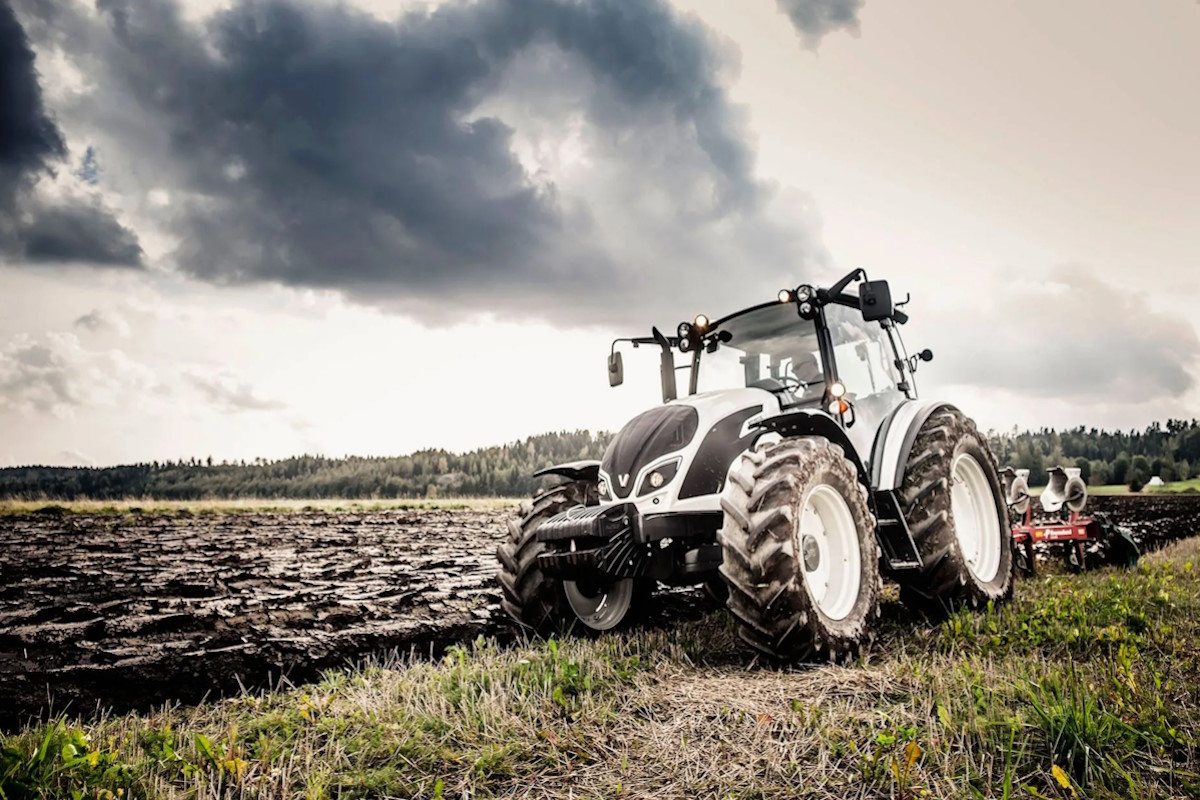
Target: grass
(1175,487)
(245,505)
(1085,686)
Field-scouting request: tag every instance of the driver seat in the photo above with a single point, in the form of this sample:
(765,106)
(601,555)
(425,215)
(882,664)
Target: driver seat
(812,379)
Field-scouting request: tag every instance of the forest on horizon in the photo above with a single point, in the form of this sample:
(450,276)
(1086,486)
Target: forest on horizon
(1168,450)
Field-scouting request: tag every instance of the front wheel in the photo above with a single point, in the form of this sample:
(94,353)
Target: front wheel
(956,511)
(604,605)
(799,551)
(547,605)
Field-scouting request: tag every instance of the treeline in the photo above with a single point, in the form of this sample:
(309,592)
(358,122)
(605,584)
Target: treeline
(1171,452)
(503,471)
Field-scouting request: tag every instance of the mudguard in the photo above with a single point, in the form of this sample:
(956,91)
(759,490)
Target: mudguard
(894,441)
(573,471)
(816,423)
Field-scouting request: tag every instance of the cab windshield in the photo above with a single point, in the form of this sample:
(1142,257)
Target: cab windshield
(771,347)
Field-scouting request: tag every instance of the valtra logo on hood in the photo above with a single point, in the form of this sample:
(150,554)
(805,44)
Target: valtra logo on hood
(644,438)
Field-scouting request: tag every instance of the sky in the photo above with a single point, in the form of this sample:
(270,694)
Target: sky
(246,228)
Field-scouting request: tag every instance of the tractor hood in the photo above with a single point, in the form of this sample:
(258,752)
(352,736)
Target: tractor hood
(644,438)
(707,431)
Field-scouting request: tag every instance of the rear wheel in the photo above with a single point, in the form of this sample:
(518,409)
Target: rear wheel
(799,551)
(955,508)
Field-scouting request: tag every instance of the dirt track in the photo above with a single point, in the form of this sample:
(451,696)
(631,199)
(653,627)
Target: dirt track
(133,610)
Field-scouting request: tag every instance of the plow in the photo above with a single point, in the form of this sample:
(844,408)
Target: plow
(1057,526)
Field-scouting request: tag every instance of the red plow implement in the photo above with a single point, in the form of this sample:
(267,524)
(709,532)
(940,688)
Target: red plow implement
(1058,526)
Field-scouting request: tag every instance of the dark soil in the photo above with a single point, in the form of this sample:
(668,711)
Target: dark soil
(131,611)
(1153,519)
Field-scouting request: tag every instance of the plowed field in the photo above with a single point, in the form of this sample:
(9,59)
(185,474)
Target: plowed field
(132,610)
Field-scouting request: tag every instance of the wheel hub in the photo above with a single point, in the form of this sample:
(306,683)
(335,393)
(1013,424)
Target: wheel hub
(812,553)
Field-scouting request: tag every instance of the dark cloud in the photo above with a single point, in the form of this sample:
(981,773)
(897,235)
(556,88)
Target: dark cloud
(1073,336)
(568,159)
(33,228)
(71,231)
(29,139)
(815,18)
(232,396)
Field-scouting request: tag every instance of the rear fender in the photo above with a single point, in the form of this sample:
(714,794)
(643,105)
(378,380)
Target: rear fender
(894,442)
(587,471)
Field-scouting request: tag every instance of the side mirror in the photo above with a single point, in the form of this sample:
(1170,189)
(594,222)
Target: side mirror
(875,297)
(925,355)
(616,370)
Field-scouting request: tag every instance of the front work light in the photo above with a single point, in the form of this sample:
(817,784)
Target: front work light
(785,296)
(658,477)
(701,322)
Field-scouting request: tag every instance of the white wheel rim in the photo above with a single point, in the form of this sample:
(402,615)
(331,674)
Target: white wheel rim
(976,524)
(602,607)
(827,548)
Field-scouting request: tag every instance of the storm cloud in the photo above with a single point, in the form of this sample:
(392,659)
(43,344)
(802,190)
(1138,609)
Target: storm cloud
(29,139)
(34,228)
(575,161)
(814,19)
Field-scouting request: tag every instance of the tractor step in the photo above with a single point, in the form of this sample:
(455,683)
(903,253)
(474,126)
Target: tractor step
(900,552)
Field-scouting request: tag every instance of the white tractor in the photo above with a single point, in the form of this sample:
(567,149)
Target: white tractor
(798,469)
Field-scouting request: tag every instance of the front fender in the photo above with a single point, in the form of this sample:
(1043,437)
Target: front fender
(587,471)
(816,423)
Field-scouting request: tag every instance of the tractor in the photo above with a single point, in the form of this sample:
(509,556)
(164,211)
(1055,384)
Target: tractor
(795,472)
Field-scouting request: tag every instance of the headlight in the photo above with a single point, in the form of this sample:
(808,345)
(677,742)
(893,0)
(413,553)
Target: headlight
(837,389)
(658,477)
(602,488)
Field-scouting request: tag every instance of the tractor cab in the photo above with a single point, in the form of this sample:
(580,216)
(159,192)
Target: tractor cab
(811,348)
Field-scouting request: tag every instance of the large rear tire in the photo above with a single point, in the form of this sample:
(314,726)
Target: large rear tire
(955,508)
(799,551)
